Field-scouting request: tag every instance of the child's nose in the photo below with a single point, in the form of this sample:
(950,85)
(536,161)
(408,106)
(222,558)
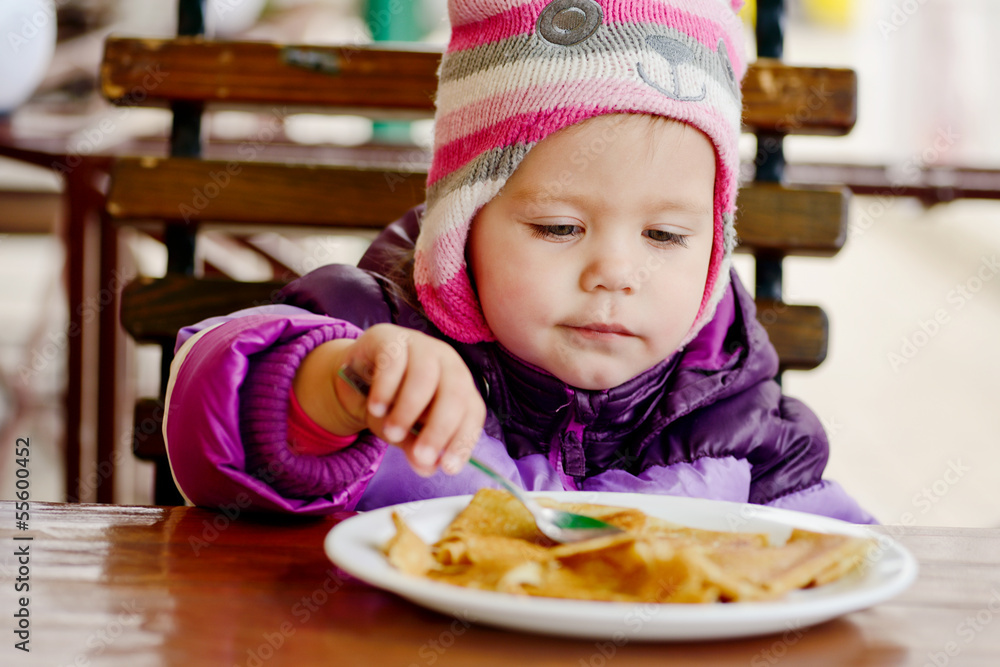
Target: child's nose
(611,269)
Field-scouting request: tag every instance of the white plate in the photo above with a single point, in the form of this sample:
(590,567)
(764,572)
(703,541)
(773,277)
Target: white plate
(354,544)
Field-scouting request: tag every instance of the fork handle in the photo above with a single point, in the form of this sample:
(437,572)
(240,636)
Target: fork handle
(501,480)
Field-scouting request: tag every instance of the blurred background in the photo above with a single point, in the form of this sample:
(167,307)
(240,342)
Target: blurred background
(910,388)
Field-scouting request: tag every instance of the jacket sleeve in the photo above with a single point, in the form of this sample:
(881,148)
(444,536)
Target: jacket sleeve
(226,415)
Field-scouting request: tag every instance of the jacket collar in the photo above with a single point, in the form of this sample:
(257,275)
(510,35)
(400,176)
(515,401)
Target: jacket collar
(730,354)
(533,396)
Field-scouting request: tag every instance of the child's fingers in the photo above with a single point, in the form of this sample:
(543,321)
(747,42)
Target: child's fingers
(385,349)
(446,440)
(469,430)
(421,397)
(453,423)
(461,391)
(440,426)
(418,388)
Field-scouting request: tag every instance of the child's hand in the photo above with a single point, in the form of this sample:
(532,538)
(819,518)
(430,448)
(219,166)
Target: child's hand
(422,396)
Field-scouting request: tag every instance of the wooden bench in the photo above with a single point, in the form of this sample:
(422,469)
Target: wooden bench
(772,218)
(193,74)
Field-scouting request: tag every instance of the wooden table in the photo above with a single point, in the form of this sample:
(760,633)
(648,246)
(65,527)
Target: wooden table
(137,586)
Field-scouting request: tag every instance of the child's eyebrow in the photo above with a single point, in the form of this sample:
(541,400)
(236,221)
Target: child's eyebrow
(538,194)
(534,194)
(682,205)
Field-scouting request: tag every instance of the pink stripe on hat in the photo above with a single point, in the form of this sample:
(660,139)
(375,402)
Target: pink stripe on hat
(628,94)
(525,128)
(463,323)
(522,19)
(534,125)
(519,19)
(705,30)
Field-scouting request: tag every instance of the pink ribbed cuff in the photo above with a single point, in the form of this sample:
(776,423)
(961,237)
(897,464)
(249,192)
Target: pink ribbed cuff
(306,437)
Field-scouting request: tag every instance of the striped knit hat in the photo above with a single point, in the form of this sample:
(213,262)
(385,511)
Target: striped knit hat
(516,71)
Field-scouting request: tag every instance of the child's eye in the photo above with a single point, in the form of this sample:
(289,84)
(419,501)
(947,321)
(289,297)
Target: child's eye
(554,231)
(666,238)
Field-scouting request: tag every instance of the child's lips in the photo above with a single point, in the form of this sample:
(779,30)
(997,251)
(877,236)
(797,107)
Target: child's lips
(601,330)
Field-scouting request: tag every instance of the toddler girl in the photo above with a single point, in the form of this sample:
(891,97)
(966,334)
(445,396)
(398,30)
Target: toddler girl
(562,307)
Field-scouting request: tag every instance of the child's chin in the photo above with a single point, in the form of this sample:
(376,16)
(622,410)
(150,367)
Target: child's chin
(595,379)
(603,374)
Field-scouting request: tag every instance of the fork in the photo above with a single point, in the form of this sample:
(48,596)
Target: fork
(557,525)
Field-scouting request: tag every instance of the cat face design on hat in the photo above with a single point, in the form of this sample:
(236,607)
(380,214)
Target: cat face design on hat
(570,22)
(516,71)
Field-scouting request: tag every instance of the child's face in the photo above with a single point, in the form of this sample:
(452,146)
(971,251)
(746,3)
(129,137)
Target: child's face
(591,262)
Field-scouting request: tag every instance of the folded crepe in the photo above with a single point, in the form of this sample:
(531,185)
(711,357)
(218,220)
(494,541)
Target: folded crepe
(493,544)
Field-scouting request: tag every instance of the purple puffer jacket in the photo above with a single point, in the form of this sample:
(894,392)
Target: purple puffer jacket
(709,422)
